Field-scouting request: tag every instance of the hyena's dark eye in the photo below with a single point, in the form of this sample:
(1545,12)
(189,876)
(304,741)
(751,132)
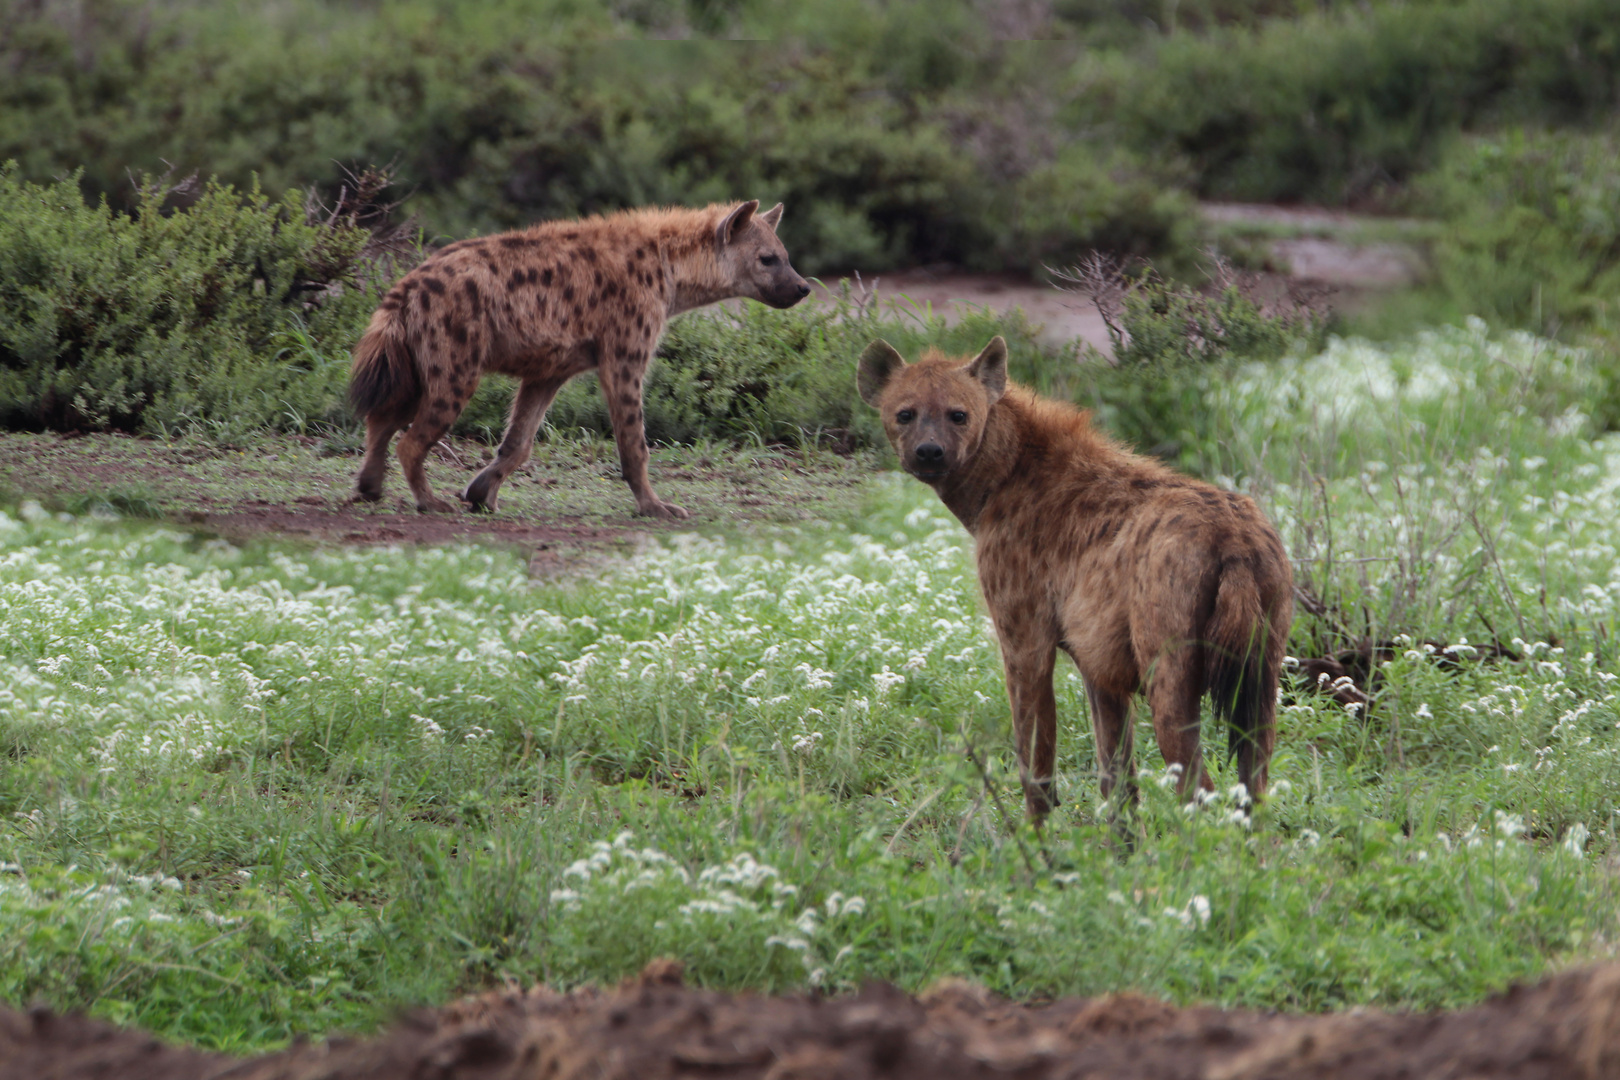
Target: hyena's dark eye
(958,416)
(768,260)
(906,416)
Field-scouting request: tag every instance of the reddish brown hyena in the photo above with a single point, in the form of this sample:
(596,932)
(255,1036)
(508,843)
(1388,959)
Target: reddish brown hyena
(1151,581)
(544,305)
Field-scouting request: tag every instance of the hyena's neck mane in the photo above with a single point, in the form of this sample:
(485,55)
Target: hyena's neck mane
(686,248)
(1026,439)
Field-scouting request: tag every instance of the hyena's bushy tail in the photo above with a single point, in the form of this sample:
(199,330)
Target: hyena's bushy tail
(384,381)
(1244,661)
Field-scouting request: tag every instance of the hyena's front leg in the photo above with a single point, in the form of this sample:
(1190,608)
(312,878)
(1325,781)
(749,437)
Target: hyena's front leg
(1111,728)
(529,407)
(1034,713)
(620,376)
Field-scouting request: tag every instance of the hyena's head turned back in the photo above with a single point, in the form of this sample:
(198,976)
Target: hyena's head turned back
(934,410)
(755,260)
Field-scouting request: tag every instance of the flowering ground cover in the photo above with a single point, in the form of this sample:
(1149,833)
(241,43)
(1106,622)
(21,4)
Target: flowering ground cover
(255,790)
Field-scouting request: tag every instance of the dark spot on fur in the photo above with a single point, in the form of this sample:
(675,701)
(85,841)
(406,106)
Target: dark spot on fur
(534,274)
(592,301)
(433,284)
(568,293)
(440,404)
(1209,497)
(627,399)
(516,280)
(424,301)
(512,243)
(1142,483)
(390,303)
(599,279)
(1175,521)
(459,332)
(545,276)
(588,254)
(474,301)
(434,371)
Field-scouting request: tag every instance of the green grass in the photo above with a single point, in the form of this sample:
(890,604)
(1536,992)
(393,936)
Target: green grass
(261,790)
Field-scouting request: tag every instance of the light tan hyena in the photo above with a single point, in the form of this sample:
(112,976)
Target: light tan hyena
(1148,579)
(544,305)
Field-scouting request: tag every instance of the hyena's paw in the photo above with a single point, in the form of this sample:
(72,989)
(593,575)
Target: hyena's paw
(658,508)
(480,495)
(432,504)
(364,495)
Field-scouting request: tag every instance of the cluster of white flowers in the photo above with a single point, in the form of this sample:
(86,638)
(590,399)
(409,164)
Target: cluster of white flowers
(741,892)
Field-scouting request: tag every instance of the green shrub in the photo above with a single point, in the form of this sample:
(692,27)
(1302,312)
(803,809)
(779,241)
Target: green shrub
(1343,104)
(234,315)
(160,322)
(753,373)
(1171,345)
(1533,228)
(895,133)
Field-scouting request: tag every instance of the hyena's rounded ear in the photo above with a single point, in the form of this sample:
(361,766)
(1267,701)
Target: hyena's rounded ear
(879,363)
(772,216)
(990,368)
(734,222)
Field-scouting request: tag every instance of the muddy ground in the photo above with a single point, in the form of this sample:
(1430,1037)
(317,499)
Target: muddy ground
(565,507)
(1566,1028)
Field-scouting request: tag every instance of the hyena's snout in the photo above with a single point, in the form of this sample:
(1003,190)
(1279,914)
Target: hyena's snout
(928,460)
(787,290)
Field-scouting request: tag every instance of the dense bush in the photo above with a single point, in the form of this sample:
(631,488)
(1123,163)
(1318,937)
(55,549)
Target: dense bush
(162,322)
(1343,104)
(1171,346)
(751,373)
(1533,235)
(895,134)
(235,314)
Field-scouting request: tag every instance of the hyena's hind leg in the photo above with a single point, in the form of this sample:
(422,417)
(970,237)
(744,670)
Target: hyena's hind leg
(368,485)
(529,407)
(433,420)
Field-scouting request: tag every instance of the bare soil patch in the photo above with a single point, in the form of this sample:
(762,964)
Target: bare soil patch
(1357,256)
(568,500)
(651,1027)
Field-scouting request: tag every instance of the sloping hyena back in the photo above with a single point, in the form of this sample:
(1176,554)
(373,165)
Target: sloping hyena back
(543,305)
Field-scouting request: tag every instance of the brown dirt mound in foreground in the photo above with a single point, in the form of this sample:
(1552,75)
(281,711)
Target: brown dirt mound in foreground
(652,1027)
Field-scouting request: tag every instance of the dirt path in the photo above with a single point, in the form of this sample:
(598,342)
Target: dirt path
(1062,316)
(566,503)
(1357,256)
(1563,1029)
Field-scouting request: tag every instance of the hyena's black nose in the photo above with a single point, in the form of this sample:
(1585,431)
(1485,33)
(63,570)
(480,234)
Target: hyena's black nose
(804,289)
(930,454)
